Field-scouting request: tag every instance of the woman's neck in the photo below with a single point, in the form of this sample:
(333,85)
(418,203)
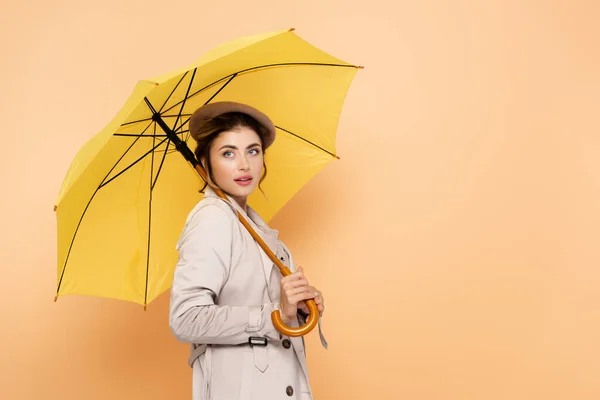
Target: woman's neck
(243,203)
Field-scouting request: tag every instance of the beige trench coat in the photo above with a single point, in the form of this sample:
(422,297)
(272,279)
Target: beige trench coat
(224,290)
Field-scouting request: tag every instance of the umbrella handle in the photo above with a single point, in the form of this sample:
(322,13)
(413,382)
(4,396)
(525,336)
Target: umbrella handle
(312,321)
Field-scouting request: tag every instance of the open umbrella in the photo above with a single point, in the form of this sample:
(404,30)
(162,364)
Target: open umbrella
(127,193)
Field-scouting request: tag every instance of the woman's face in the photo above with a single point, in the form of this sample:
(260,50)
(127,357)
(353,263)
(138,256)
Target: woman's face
(236,160)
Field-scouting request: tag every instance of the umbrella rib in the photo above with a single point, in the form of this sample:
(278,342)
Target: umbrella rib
(164,104)
(173,116)
(137,121)
(62,274)
(123,155)
(187,93)
(139,135)
(200,91)
(220,89)
(173,91)
(208,101)
(307,141)
(135,162)
(143,135)
(150,119)
(161,164)
(151,189)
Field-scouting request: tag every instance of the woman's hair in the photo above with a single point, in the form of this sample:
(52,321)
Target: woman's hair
(212,128)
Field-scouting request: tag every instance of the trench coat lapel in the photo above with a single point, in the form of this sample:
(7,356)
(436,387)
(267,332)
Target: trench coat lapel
(268,235)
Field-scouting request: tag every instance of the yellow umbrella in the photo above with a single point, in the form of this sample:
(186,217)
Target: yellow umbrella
(127,193)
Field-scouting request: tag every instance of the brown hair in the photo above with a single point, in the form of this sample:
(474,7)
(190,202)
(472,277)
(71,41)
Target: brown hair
(212,128)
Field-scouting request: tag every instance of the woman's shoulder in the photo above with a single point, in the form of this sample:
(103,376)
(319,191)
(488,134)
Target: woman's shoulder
(210,207)
(209,220)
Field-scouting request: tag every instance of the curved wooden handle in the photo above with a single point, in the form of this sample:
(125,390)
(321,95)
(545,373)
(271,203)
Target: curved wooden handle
(313,319)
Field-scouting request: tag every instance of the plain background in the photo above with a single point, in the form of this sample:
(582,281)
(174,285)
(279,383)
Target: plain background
(456,241)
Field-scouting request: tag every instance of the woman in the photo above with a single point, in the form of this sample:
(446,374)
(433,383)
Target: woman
(225,287)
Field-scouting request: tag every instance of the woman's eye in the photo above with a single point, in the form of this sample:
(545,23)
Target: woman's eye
(254,151)
(228,154)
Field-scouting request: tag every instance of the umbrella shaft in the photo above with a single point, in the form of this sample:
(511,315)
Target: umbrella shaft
(180,145)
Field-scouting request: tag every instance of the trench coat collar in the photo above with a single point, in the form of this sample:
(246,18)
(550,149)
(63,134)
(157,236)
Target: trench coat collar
(269,235)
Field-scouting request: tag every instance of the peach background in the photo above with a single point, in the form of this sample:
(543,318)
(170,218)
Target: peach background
(456,240)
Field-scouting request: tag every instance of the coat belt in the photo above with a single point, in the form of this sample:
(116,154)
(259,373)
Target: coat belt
(258,345)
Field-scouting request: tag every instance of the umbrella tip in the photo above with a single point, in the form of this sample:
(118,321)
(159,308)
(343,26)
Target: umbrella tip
(55,298)
(292,29)
(144,307)
(54,208)
(361,67)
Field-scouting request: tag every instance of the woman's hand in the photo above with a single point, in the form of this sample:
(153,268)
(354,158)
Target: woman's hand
(318,300)
(294,290)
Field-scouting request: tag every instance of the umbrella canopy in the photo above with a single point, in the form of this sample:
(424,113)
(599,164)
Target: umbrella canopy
(128,191)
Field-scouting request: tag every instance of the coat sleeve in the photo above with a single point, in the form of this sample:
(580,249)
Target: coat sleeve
(205,252)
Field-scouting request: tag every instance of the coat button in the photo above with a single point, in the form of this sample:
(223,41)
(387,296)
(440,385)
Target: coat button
(290,391)
(286,343)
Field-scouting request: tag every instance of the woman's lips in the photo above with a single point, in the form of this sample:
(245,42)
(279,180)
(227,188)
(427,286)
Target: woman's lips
(243,181)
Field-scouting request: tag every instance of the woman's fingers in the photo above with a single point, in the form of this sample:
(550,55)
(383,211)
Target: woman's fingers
(294,291)
(300,297)
(298,275)
(319,300)
(295,280)
(295,284)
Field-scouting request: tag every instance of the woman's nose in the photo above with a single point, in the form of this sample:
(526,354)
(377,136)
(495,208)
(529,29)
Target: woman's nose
(243,165)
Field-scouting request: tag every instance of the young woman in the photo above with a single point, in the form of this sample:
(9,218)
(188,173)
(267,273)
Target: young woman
(225,287)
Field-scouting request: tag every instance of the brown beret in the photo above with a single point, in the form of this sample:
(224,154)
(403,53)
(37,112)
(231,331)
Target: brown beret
(212,110)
